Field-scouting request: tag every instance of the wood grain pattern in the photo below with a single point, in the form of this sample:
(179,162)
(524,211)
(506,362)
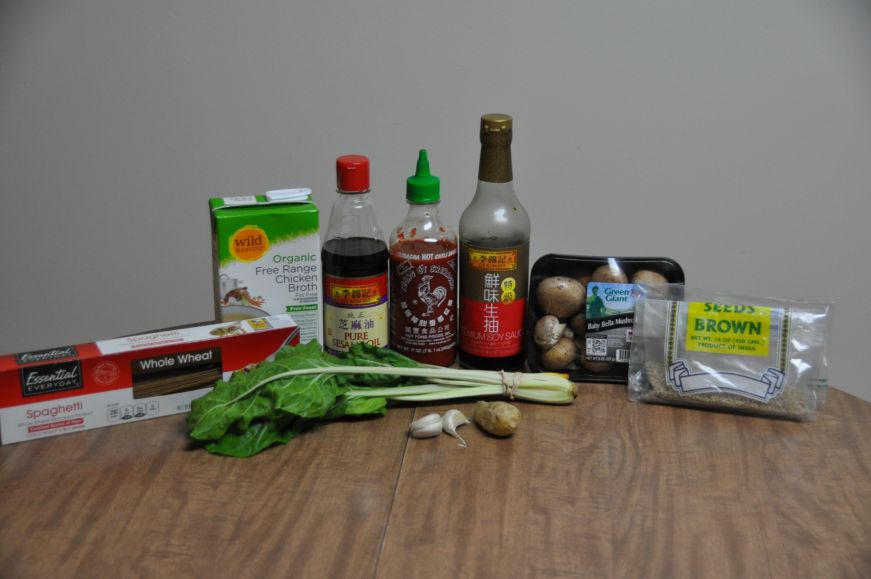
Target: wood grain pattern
(135,500)
(608,488)
(602,488)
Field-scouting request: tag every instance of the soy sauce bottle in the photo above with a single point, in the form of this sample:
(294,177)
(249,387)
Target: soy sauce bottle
(494,258)
(354,258)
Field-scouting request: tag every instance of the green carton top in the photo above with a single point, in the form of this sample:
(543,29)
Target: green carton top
(276,215)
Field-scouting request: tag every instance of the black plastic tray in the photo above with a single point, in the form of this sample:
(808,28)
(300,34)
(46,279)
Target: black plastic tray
(580,267)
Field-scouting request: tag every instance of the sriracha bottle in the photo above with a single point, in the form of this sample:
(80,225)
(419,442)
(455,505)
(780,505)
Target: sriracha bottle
(423,275)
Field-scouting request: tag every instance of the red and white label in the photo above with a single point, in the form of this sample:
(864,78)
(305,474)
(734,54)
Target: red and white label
(492,329)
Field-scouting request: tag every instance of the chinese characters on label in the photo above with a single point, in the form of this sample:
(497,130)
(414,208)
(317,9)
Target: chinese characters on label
(355,310)
(493,300)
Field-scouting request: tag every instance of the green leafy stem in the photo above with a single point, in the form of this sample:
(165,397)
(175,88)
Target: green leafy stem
(275,400)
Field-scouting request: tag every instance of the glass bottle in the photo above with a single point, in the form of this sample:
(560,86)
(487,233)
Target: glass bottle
(354,258)
(494,258)
(423,275)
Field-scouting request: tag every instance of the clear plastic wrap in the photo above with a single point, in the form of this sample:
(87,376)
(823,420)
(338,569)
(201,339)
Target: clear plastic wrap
(740,353)
(596,345)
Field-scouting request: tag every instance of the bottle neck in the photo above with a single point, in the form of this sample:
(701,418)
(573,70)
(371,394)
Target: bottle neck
(353,215)
(423,222)
(355,198)
(423,209)
(498,196)
(495,163)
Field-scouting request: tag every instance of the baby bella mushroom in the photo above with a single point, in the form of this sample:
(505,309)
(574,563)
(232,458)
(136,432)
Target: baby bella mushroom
(560,296)
(610,273)
(650,278)
(560,356)
(548,331)
(592,366)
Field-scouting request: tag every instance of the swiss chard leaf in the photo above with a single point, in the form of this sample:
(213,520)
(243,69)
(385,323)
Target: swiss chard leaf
(212,414)
(361,354)
(257,438)
(306,396)
(241,399)
(258,408)
(357,407)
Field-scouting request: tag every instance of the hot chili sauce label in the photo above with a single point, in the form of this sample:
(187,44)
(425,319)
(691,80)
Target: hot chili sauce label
(493,299)
(423,302)
(355,310)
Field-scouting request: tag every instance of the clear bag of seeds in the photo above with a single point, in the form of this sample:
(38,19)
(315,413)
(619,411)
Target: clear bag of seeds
(745,354)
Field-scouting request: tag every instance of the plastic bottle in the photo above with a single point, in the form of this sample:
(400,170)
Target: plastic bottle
(354,258)
(494,258)
(423,275)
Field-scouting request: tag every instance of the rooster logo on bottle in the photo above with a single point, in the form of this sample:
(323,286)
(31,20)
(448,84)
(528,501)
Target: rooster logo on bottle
(429,296)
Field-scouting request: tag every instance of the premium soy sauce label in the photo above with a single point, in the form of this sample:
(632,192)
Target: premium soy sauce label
(493,299)
(355,310)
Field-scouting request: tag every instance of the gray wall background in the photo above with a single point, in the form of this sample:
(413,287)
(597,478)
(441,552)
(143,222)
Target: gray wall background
(732,136)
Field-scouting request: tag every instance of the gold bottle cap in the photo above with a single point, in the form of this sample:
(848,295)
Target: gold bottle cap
(495,123)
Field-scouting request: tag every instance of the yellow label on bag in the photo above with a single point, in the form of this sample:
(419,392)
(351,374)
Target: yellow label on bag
(728,329)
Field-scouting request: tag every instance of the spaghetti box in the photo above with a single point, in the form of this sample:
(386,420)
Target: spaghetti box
(581,312)
(61,390)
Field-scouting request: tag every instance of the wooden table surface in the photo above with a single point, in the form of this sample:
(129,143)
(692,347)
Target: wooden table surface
(602,488)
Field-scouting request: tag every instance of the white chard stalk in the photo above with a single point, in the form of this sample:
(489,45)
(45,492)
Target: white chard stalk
(450,383)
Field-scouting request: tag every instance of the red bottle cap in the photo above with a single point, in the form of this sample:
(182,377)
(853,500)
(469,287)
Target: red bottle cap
(352,173)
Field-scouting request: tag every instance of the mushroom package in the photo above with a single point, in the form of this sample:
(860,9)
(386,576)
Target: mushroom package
(581,312)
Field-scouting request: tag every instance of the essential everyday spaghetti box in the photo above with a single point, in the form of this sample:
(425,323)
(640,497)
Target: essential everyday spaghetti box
(267,258)
(61,390)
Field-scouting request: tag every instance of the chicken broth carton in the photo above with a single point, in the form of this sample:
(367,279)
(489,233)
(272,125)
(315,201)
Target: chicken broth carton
(266,251)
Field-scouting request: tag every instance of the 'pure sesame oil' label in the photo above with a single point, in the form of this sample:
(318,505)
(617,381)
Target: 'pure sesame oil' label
(355,310)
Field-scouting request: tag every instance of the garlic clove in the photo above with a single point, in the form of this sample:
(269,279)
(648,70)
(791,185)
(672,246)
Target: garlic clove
(426,427)
(452,420)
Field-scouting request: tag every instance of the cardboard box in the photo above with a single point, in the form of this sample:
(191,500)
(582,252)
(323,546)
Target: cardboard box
(60,390)
(267,258)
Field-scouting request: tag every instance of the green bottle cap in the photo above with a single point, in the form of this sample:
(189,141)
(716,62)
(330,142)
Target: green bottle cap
(422,187)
